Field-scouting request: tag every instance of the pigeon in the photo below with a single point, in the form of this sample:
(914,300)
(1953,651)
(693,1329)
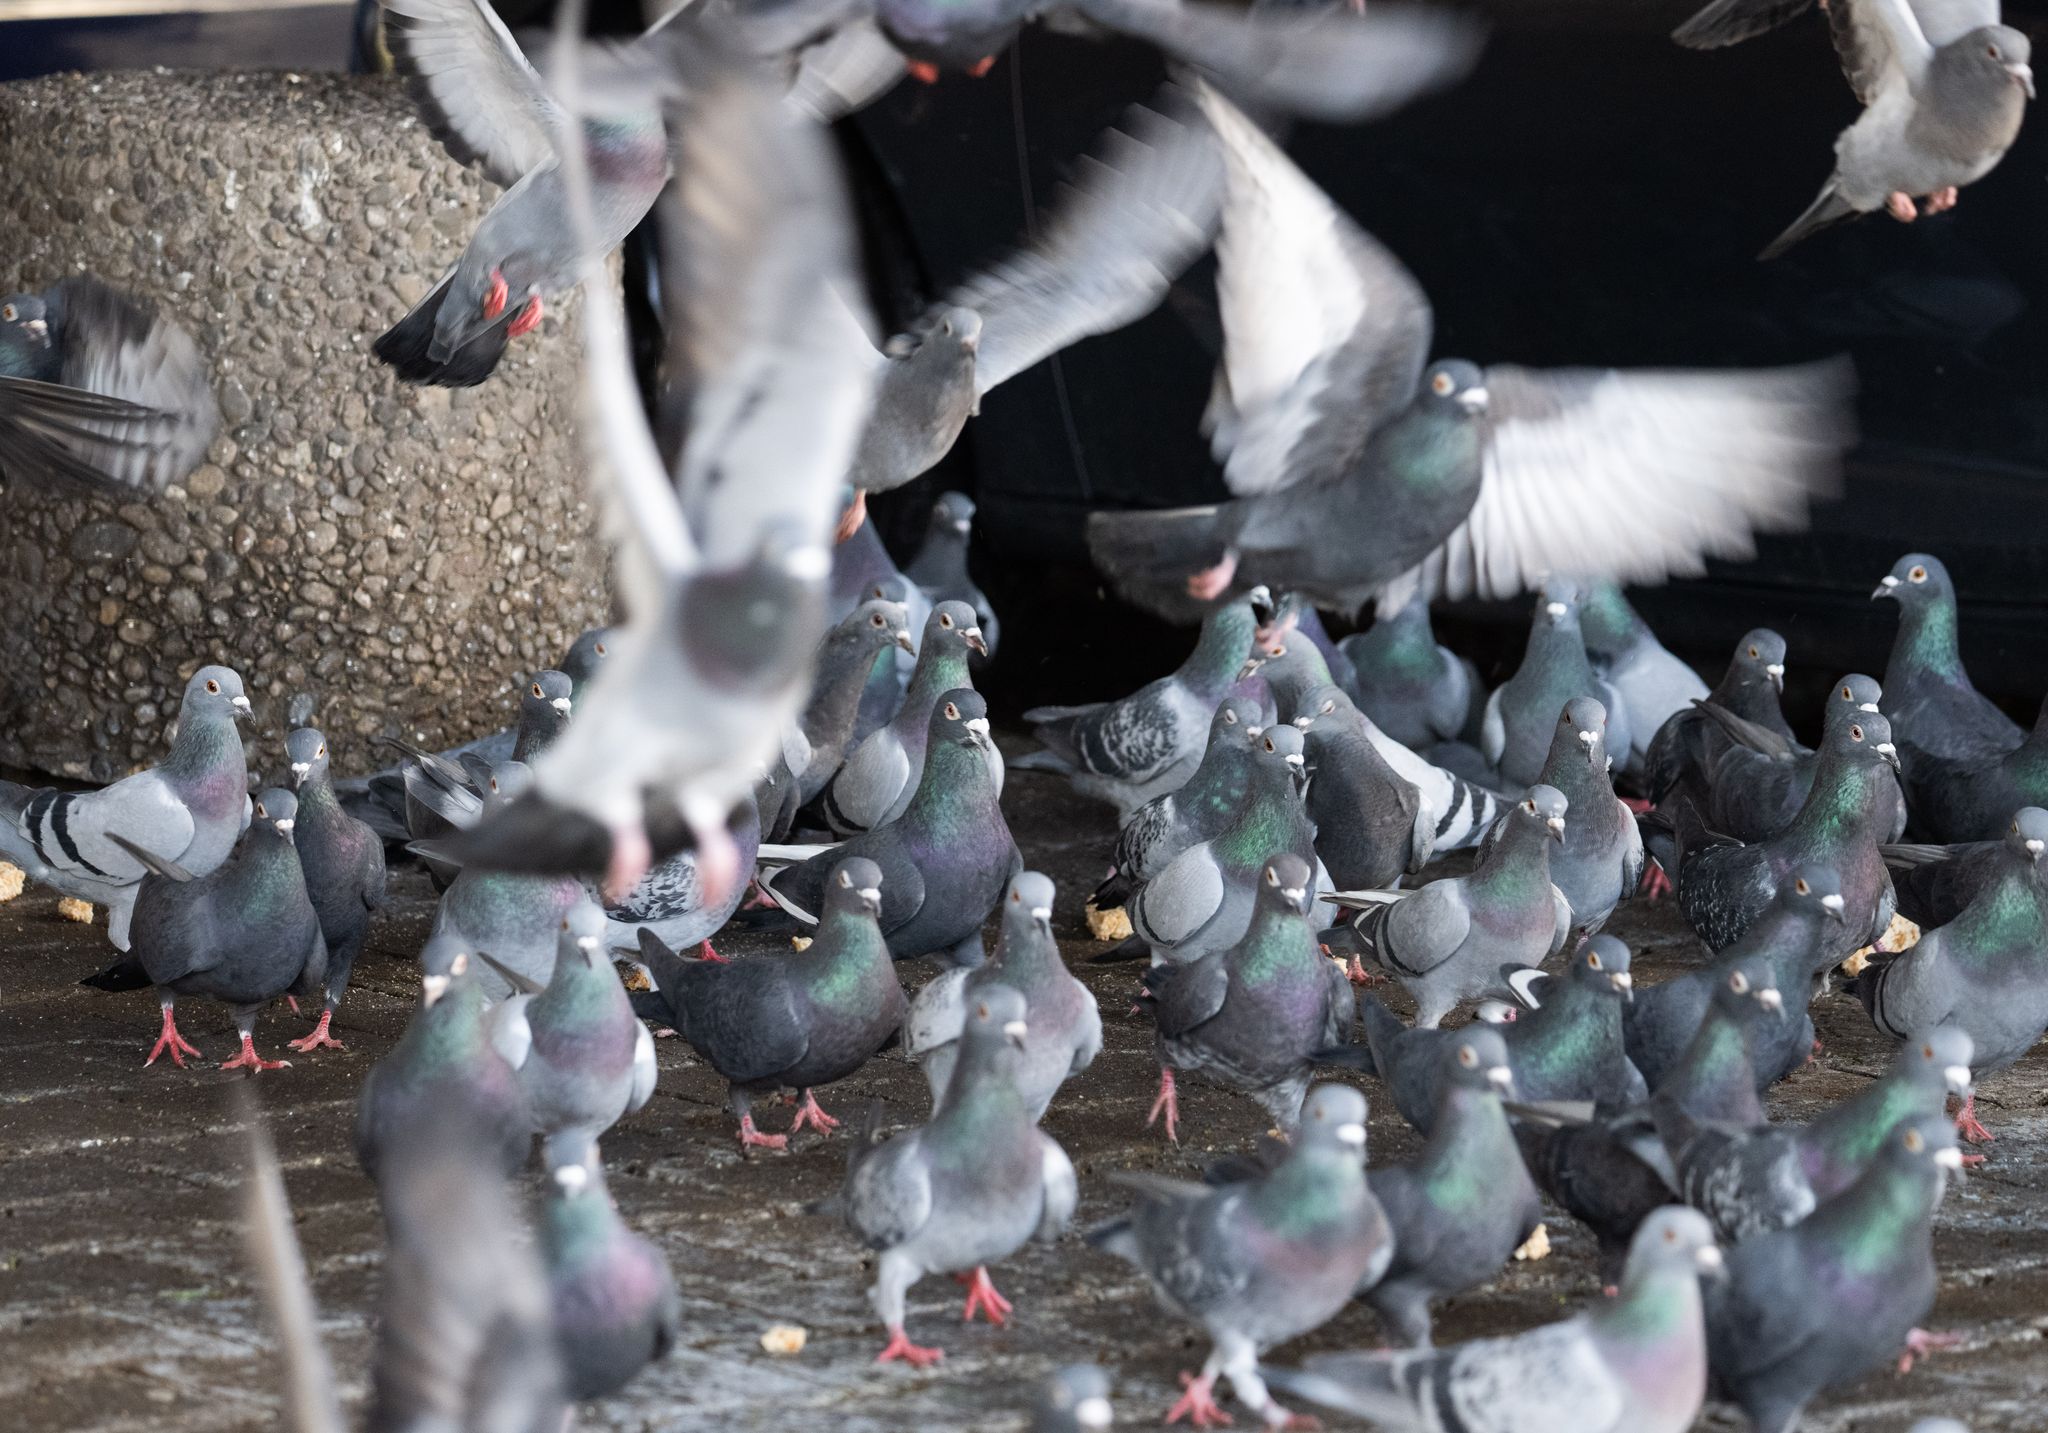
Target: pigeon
(1416,691)
(1201,809)
(1934,710)
(875,784)
(1257,1262)
(1518,731)
(1793,937)
(669,902)
(1635,1363)
(242,934)
(1292,615)
(344,865)
(591,1061)
(1252,1016)
(1076,1400)
(1460,938)
(964,1190)
(1599,863)
(1936,883)
(945,863)
(1460,813)
(788,1021)
(1761,779)
(1292,665)
(1129,751)
(1460,1208)
(1943,88)
(1372,825)
(1838,1145)
(845,662)
(1723,886)
(1985,972)
(543,714)
(1840,1293)
(188,808)
(483,100)
(1971,800)
(1356,468)
(1201,901)
(99,391)
(1066,1028)
(614,1297)
(940,567)
(1682,752)
(1651,684)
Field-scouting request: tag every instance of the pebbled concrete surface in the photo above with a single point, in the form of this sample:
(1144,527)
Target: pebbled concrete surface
(125,1305)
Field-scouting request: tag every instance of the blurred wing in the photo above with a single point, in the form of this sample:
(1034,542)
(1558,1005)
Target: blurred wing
(1641,476)
(281,1270)
(1141,210)
(1062,1190)
(474,87)
(845,72)
(48,430)
(1729,22)
(1879,42)
(938,1015)
(1944,20)
(1325,333)
(889,1193)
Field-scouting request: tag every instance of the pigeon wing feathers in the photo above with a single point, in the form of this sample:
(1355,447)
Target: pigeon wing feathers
(889,1192)
(1420,933)
(123,350)
(142,809)
(1181,899)
(1186,995)
(939,1013)
(1880,44)
(1062,1190)
(479,95)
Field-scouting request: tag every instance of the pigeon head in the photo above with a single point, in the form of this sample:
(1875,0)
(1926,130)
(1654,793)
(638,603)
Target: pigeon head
(1813,886)
(508,781)
(27,348)
(1073,1400)
(1288,884)
(1557,602)
(1749,985)
(881,623)
(1454,386)
(1674,1237)
(1854,696)
(276,809)
(1236,719)
(1866,735)
(1544,807)
(1760,656)
(995,1021)
(855,885)
(578,1181)
(1991,62)
(954,336)
(1915,580)
(1279,749)
(1029,902)
(1582,732)
(1324,707)
(2027,834)
(445,963)
(581,937)
(1938,1059)
(752,627)
(1923,1144)
(1602,964)
(961,717)
(954,512)
(306,749)
(549,696)
(214,692)
(585,655)
(1477,1059)
(953,627)
(1333,1118)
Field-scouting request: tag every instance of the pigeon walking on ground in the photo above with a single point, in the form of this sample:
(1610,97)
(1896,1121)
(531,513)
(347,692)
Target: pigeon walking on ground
(1462,937)
(1936,883)
(1415,690)
(344,865)
(1599,863)
(790,1021)
(1681,755)
(1518,729)
(1761,779)
(966,1189)
(1372,825)
(1635,1363)
(1066,1028)
(188,809)
(1934,709)
(98,390)
(614,1297)
(1651,684)
(1202,808)
(1260,1261)
(1460,813)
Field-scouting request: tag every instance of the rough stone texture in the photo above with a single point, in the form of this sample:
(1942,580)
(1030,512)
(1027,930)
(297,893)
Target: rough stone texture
(403,554)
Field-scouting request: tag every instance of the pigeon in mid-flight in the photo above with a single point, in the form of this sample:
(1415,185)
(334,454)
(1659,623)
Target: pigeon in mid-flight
(100,391)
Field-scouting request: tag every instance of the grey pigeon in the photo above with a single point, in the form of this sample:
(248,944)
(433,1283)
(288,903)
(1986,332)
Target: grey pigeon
(945,863)
(442,798)
(1681,754)
(1773,1344)
(188,808)
(1293,614)
(964,1190)
(1372,825)
(1934,710)
(613,1295)
(344,865)
(1599,863)
(863,571)
(845,662)
(1129,751)
(1203,807)
(1971,799)
(670,902)
(1935,883)
(940,567)
(1636,1363)
(1460,938)
(1460,813)
(1292,665)
(1460,1208)
(1357,468)
(1943,87)
(100,391)
(444,1070)
(1761,779)
(1839,1144)
(1985,972)
(1651,683)
(788,1021)
(875,784)
(1793,936)
(1252,1016)
(1517,732)
(1066,1028)
(1076,1400)
(591,1061)
(1415,690)
(242,934)
(1257,1262)
(543,714)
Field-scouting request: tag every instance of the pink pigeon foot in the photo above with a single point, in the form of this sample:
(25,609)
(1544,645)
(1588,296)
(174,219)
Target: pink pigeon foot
(751,1138)
(857,511)
(1967,1124)
(1197,1404)
(171,1040)
(251,1061)
(319,1037)
(808,1113)
(1168,1103)
(528,320)
(1211,582)
(1942,200)
(1900,206)
(631,856)
(982,1296)
(718,861)
(705,952)
(1922,1342)
(1656,885)
(924,72)
(900,1346)
(1638,805)
(1357,974)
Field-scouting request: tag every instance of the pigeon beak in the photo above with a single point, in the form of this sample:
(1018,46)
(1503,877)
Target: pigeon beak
(870,899)
(2024,75)
(903,641)
(1591,741)
(974,640)
(1094,1413)
(38,329)
(300,770)
(1887,588)
(1870,707)
(241,706)
(284,827)
(561,704)
(1252,664)
(1042,916)
(1776,672)
(1622,981)
(1556,825)
(1709,1260)
(1502,1078)
(1950,1158)
(977,730)
(1834,906)
(1305,723)
(1261,598)
(586,943)
(1296,898)
(1957,1078)
(1772,999)
(1890,754)
(1352,1134)
(432,988)
(2035,847)
(962,525)
(1474,400)
(1555,611)
(1015,1031)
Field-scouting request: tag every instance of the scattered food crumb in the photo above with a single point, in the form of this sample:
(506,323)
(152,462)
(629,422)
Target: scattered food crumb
(73,909)
(633,977)
(1109,925)
(1900,935)
(1536,1246)
(12,879)
(785,1338)
(799,942)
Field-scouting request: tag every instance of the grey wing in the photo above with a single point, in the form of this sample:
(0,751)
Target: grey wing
(1563,907)
(645,1070)
(845,72)
(1181,899)
(1944,20)
(1493,730)
(1325,332)
(1087,1033)
(1632,852)
(1880,43)
(1640,476)
(118,348)
(889,1192)
(1420,932)
(479,95)
(1142,210)
(1188,994)
(1551,1379)
(72,830)
(1061,1189)
(1188,1244)
(939,1013)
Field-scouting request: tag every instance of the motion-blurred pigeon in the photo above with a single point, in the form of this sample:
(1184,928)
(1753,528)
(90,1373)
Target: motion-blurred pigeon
(670,902)
(613,1294)
(1076,1400)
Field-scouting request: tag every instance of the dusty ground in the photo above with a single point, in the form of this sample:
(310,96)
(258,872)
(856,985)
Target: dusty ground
(124,1303)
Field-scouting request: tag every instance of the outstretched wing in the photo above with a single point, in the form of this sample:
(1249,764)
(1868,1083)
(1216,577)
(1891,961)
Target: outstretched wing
(475,88)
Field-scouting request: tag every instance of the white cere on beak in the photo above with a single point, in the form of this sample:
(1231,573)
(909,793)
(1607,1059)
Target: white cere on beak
(978,724)
(1296,894)
(1041,913)
(1474,398)
(1833,903)
(561,704)
(1771,998)
(285,826)
(1016,1029)
(1708,1258)
(1889,581)
(1295,758)
(963,526)
(1774,669)
(1352,1134)
(1500,1075)
(586,942)
(1093,1413)
(1885,748)
(870,893)
(301,768)
(1555,609)
(2035,846)
(1556,823)
(1622,980)
(1958,1077)
(1870,707)
(1950,1158)
(433,987)
(1589,737)
(572,1178)
(37,328)
(241,704)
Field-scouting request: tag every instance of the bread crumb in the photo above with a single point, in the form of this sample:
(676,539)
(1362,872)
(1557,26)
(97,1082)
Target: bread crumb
(73,909)
(785,1338)
(1536,1246)
(12,880)
(1110,924)
(799,942)
(1901,934)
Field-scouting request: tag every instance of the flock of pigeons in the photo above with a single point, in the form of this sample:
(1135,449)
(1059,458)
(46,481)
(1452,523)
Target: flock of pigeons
(769,684)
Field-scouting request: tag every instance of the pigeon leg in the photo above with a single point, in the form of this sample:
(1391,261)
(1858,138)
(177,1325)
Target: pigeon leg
(251,1061)
(988,62)
(926,73)
(1168,1103)
(857,511)
(753,1138)
(900,1346)
(1922,1342)
(718,859)
(1638,805)
(1900,206)
(319,1037)
(170,1040)
(705,952)
(1942,200)
(1357,974)
(1656,885)
(292,1001)
(982,1295)
(1196,1404)
(895,1272)
(496,296)
(808,1113)
(631,855)
(1967,1124)
(527,321)
(1211,582)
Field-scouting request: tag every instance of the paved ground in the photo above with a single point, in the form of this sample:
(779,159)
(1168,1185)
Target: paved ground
(124,1304)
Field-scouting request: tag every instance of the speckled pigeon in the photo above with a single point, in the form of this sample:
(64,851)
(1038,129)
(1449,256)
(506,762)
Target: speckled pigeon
(1516,732)
(1372,824)
(344,865)
(1416,691)
(1652,684)
(1204,807)
(1599,863)
(613,1295)
(1760,779)
(1681,754)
